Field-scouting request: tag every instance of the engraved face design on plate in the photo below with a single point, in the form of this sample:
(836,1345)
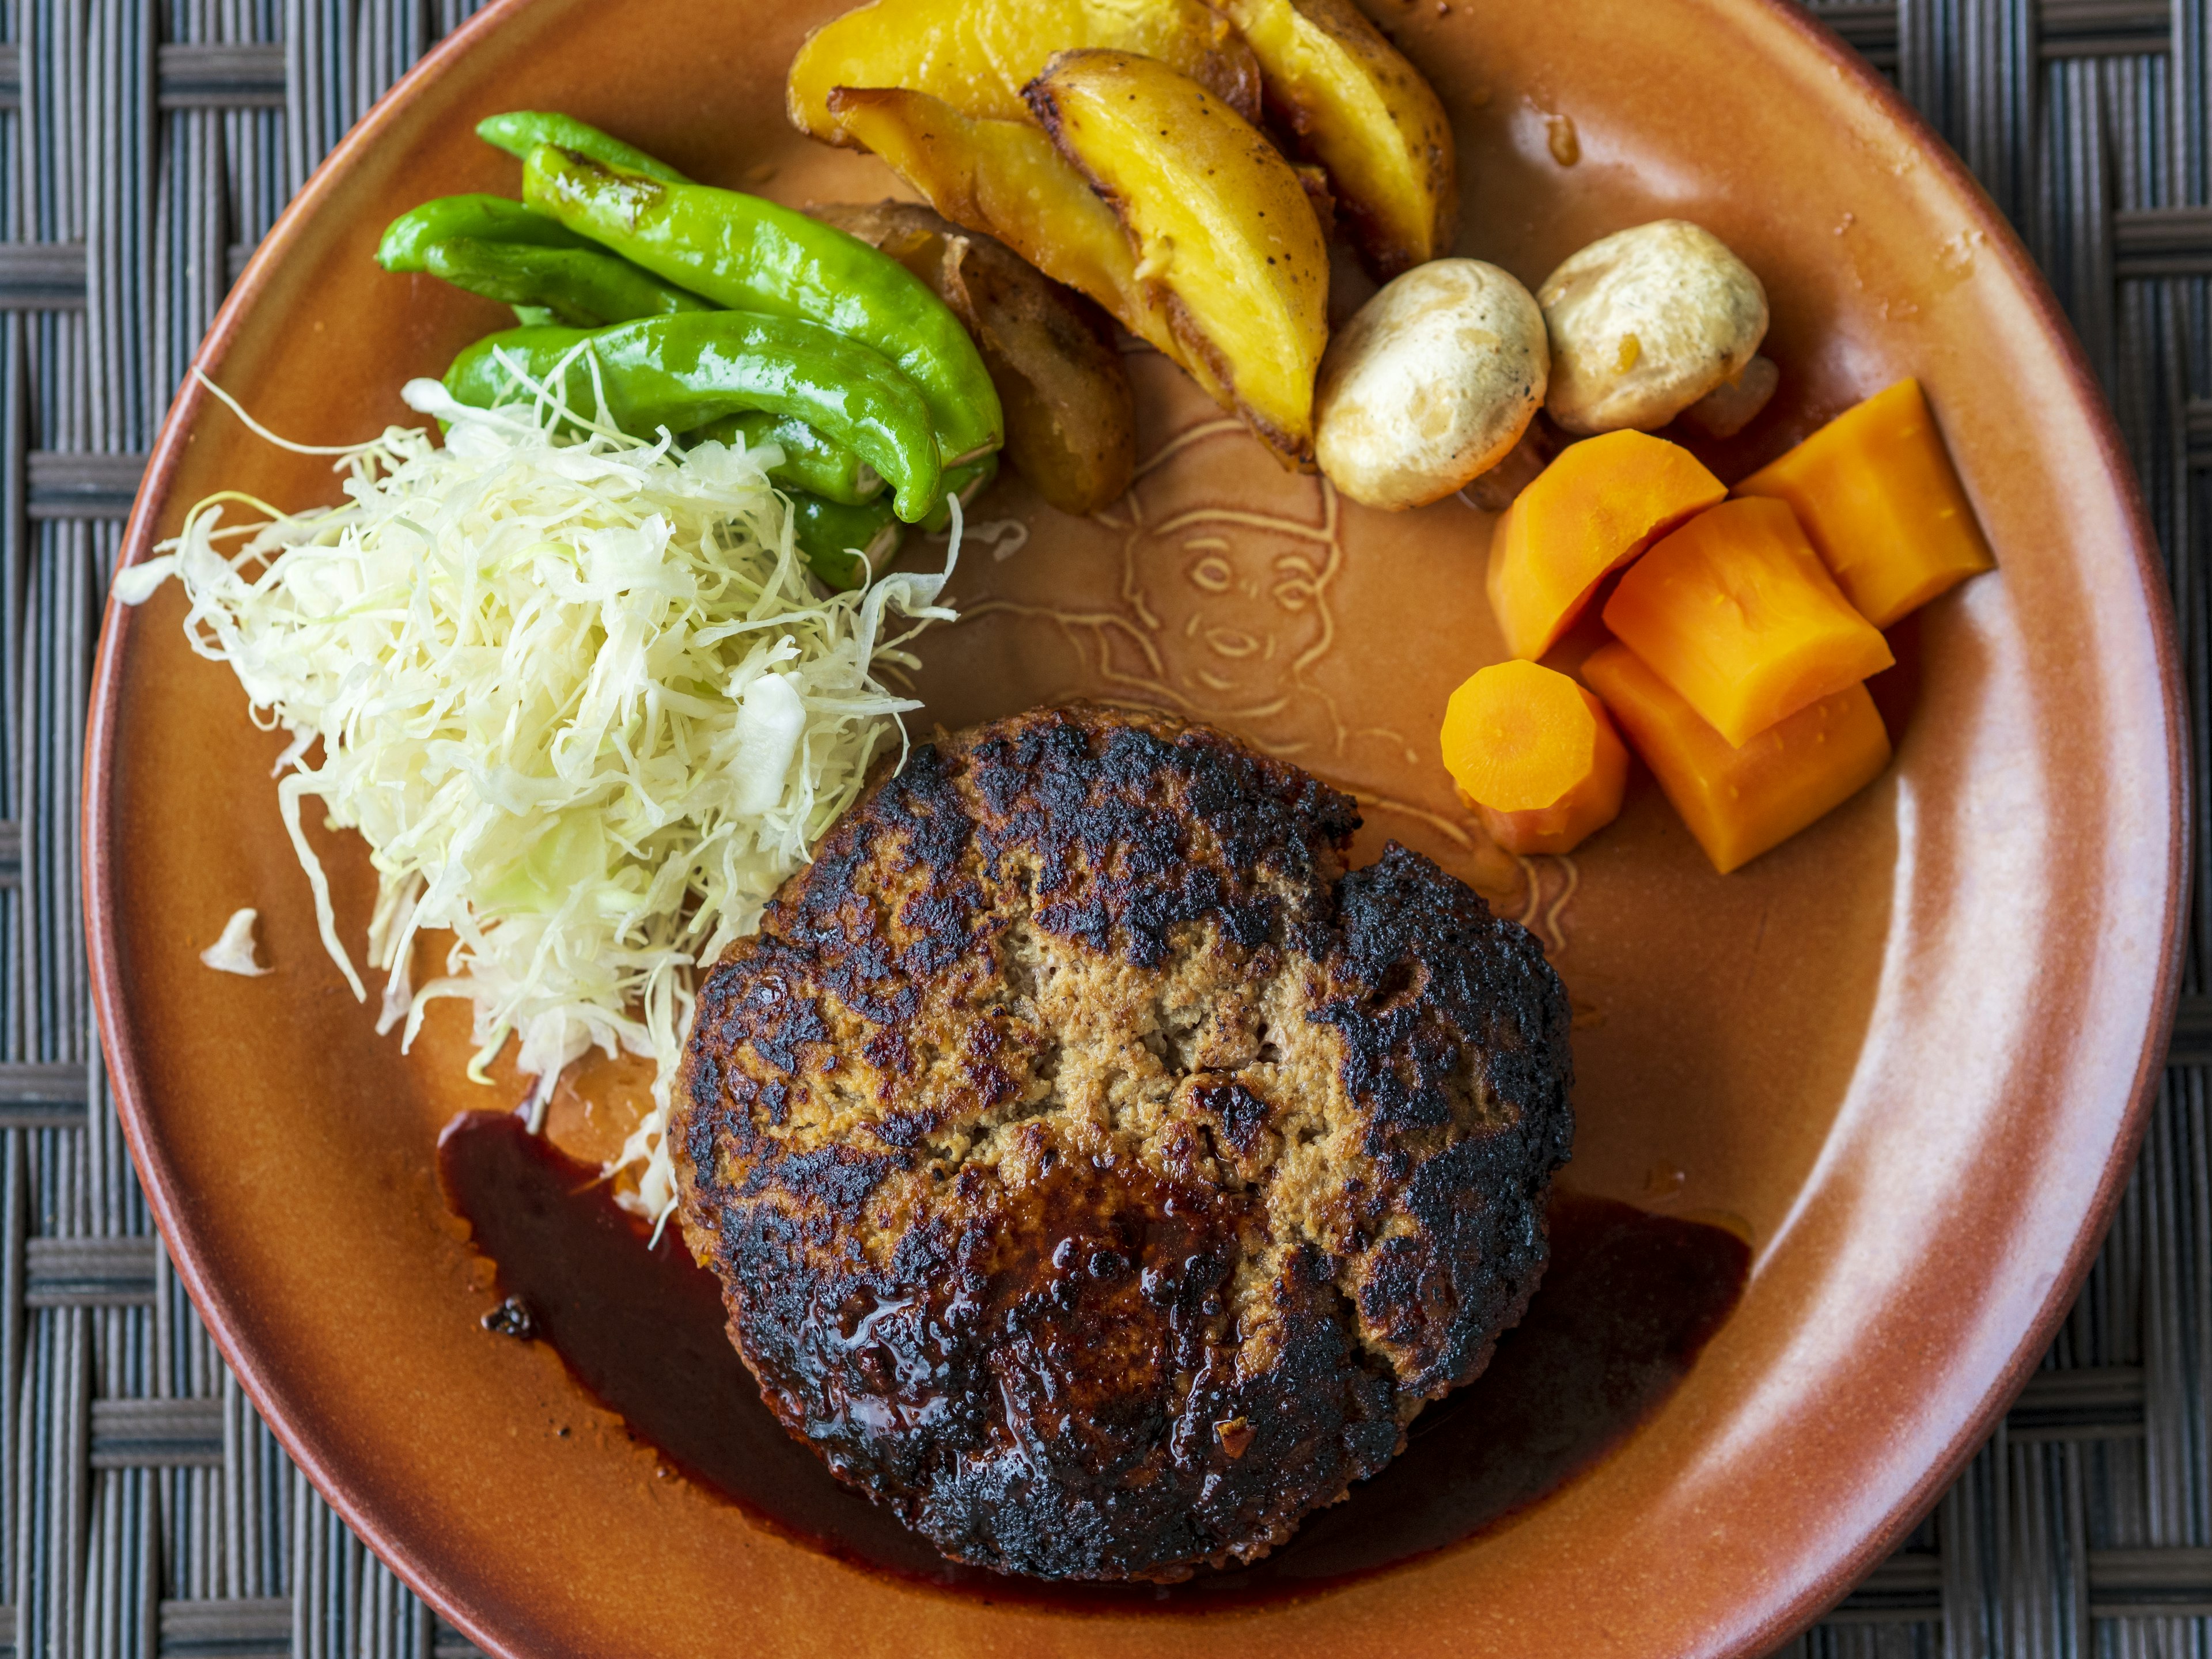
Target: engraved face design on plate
(1225,588)
(1211,593)
(1230,561)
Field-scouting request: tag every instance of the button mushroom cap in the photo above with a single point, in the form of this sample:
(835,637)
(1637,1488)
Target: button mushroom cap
(1430,384)
(1645,322)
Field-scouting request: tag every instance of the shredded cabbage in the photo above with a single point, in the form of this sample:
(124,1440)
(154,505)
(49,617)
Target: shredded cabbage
(580,696)
(234,953)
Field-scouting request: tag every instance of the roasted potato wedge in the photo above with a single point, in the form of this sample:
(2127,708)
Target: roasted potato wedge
(1357,107)
(1071,419)
(1005,180)
(1071,423)
(977,54)
(1222,228)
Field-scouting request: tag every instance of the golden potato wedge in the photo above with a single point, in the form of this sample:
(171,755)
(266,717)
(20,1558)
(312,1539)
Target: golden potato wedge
(1357,107)
(1071,422)
(978,54)
(1222,228)
(1005,180)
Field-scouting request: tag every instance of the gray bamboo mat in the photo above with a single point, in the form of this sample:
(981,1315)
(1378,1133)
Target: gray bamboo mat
(145,147)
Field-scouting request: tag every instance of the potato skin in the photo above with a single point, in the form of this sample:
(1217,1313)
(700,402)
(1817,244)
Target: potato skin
(1071,422)
(976,54)
(1062,376)
(1223,230)
(1359,108)
(1430,385)
(1644,323)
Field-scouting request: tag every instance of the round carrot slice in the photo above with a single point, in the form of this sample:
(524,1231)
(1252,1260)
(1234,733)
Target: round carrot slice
(1534,756)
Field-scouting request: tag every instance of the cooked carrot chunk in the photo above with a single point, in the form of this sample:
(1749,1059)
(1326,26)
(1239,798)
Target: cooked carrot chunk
(1740,801)
(1597,506)
(1536,756)
(1735,611)
(1882,503)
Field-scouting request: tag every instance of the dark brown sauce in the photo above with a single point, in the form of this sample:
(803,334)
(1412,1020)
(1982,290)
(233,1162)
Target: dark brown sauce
(1628,1302)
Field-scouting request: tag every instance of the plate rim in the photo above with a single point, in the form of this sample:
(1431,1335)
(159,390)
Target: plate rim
(168,1206)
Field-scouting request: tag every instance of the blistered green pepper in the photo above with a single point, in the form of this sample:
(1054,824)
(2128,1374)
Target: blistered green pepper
(831,537)
(679,372)
(410,237)
(828,533)
(504,251)
(742,252)
(811,461)
(522,131)
(583,287)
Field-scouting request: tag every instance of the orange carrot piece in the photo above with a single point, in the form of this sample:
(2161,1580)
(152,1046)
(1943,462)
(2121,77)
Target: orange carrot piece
(1736,612)
(1536,756)
(1597,506)
(1740,802)
(1877,494)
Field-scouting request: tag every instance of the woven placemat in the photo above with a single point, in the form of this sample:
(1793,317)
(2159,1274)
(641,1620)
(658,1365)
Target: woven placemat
(144,1508)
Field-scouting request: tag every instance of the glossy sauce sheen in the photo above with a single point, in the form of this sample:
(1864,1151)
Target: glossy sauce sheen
(1629,1300)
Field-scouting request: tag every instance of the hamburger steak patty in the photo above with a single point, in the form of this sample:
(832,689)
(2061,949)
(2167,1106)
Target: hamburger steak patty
(1097,1175)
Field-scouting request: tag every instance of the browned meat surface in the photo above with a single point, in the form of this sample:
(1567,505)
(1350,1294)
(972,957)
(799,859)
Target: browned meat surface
(1097,1174)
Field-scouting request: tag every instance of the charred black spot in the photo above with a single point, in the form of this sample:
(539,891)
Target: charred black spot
(839,1178)
(1427,983)
(1238,1113)
(903,1128)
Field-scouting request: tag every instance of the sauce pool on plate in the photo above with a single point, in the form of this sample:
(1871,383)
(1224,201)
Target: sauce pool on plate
(1629,1301)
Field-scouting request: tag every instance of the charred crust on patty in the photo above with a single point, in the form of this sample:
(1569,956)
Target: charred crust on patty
(1099,1173)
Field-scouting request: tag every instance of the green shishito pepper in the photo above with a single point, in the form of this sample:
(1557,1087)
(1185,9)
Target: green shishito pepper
(503,250)
(583,288)
(811,462)
(829,534)
(519,131)
(680,372)
(409,238)
(753,255)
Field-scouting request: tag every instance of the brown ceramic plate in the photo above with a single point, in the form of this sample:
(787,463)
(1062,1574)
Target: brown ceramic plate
(1910,1051)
